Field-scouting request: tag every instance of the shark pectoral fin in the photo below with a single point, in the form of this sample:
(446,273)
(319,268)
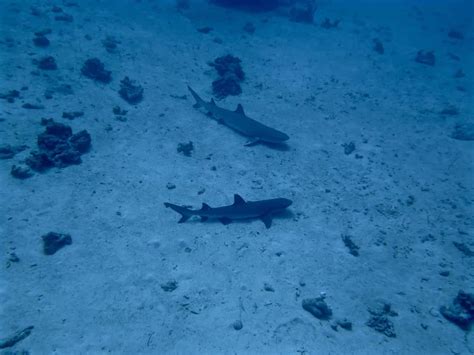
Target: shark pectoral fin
(184,218)
(267,219)
(213,103)
(240,109)
(252,141)
(238,200)
(225,221)
(204,218)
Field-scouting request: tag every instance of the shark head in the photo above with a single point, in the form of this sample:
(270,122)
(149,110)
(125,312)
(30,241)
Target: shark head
(283,202)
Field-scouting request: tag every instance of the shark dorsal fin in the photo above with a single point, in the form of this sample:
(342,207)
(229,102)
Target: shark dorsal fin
(213,103)
(205,207)
(238,200)
(240,109)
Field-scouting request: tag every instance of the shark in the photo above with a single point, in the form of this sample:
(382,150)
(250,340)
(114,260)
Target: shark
(240,209)
(240,122)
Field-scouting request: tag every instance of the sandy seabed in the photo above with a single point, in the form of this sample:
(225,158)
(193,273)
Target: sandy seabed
(404,196)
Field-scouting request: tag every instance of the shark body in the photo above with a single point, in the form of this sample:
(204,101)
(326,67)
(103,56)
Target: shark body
(240,122)
(240,209)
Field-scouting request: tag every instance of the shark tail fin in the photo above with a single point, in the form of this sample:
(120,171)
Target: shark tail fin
(185,213)
(199,102)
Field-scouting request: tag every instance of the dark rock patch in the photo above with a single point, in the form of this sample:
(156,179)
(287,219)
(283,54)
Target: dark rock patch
(30,106)
(58,147)
(353,248)
(64,18)
(7,151)
(348,148)
(231,74)
(378,46)
(379,320)
(461,311)
(463,132)
(73,114)
(41,41)
(344,324)
(317,307)
(463,248)
(237,325)
(52,242)
(46,63)
(119,113)
(169,286)
(21,172)
(94,69)
(427,58)
(450,110)
(130,91)
(10,96)
(185,148)
(205,30)
(110,44)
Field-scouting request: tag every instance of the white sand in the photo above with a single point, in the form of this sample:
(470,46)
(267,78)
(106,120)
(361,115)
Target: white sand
(322,87)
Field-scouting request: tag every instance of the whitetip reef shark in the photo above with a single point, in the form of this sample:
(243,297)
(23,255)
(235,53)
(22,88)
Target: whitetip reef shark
(240,209)
(240,122)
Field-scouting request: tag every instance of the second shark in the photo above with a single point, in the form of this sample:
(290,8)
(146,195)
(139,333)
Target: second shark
(240,122)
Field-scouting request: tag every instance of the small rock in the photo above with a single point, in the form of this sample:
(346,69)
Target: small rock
(450,110)
(379,320)
(21,172)
(110,44)
(30,106)
(170,186)
(463,132)
(378,46)
(267,287)
(10,96)
(344,324)
(185,148)
(461,311)
(94,69)
(353,248)
(237,325)
(317,307)
(169,286)
(130,91)
(47,63)
(52,242)
(205,30)
(7,151)
(348,148)
(64,18)
(41,41)
(427,58)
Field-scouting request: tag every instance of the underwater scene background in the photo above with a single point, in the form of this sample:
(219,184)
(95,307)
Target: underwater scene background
(318,154)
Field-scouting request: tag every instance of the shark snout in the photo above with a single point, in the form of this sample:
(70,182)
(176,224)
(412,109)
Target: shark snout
(284,202)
